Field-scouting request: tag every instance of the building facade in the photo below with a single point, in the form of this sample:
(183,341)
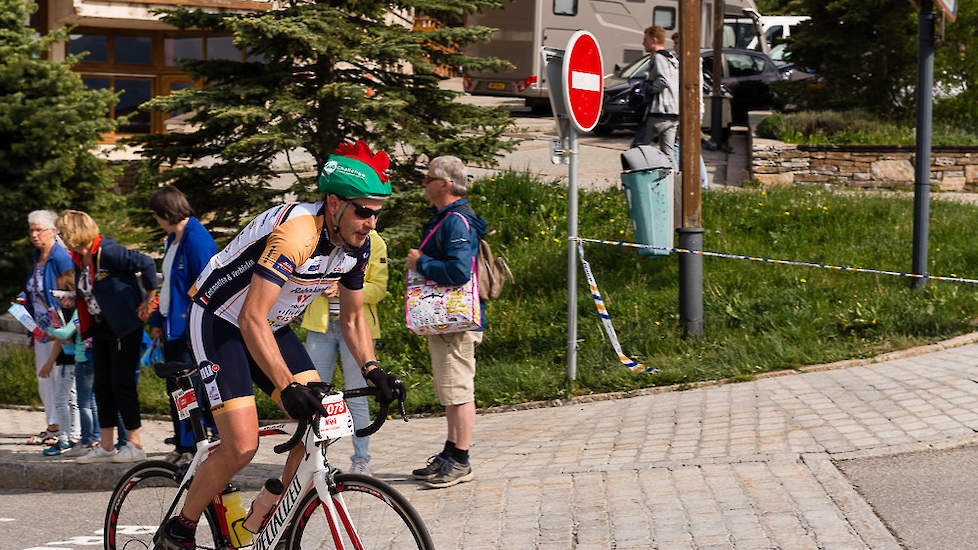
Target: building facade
(130,51)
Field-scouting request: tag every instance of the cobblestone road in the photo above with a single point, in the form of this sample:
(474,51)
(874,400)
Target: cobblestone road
(745,465)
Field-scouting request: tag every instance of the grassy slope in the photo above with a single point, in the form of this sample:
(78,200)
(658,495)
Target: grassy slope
(757,316)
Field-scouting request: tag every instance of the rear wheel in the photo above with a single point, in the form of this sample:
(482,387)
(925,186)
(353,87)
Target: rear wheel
(140,503)
(378,515)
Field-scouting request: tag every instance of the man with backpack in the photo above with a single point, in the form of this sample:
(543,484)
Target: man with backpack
(662,94)
(447,258)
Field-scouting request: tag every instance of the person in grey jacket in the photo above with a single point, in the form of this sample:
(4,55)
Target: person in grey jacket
(662,89)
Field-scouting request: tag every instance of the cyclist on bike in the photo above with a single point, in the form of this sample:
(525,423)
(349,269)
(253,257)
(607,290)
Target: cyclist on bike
(244,300)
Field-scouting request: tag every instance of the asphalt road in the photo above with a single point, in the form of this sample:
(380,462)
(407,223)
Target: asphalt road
(63,520)
(69,520)
(927,499)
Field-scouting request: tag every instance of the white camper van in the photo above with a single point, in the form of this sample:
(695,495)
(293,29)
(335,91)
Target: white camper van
(527,25)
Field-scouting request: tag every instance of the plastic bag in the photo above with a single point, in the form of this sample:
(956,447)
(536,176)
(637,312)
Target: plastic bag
(153,353)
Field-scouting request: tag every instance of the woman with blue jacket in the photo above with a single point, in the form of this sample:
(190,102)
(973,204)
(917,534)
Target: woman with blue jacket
(114,287)
(50,261)
(188,248)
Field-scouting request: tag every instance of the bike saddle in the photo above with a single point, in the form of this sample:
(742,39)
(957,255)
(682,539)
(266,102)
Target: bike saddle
(173,369)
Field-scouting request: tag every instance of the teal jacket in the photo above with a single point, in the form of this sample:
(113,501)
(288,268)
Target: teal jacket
(66,332)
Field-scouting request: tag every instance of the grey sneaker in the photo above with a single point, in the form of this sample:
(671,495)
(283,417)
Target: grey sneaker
(129,453)
(451,473)
(96,454)
(360,467)
(430,469)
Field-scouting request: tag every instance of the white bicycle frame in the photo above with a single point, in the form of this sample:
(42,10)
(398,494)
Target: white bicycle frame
(312,472)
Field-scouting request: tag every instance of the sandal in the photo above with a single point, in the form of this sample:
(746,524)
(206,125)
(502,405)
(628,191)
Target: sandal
(45,437)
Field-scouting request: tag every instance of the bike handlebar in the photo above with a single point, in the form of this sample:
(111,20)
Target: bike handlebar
(379,420)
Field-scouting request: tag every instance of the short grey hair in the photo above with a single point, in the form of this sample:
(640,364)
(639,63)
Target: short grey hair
(452,169)
(44,218)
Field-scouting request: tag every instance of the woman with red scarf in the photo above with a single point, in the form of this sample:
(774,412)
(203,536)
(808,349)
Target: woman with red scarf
(113,304)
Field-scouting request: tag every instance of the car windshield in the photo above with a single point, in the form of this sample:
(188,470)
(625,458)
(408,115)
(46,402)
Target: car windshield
(780,53)
(637,69)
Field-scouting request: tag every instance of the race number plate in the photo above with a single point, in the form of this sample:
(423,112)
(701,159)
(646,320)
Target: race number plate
(338,421)
(186,401)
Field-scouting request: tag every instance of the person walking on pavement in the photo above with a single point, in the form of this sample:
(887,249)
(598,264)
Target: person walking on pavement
(662,91)
(325,342)
(447,259)
(189,246)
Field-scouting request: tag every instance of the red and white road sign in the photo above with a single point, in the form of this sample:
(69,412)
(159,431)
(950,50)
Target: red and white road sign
(583,80)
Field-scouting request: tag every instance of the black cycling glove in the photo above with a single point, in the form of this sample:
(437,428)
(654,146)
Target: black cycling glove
(301,401)
(388,385)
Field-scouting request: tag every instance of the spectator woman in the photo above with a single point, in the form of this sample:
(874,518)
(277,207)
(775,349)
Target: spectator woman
(50,261)
(112,306)
(188,248)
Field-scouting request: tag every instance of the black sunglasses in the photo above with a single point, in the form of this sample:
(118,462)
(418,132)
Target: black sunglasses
(363,212)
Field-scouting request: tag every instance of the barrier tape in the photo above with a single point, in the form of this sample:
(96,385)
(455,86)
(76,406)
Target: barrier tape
(786,262)
(606,319)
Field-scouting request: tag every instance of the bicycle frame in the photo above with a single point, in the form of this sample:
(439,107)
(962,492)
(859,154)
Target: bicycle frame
(313,471)
(305,478)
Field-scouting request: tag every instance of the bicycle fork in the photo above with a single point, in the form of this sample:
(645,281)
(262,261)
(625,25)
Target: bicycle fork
(336,512)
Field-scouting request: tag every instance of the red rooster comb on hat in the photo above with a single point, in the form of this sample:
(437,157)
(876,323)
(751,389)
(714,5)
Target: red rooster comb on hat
(379,161)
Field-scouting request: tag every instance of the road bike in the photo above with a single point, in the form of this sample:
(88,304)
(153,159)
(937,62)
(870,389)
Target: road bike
(356,511)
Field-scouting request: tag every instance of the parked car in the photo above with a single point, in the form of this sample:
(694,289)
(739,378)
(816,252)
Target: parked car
(747,74)
(619,111)
(788,69)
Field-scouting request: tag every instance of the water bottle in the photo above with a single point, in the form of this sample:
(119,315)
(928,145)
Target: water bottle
(234,514)
(263,504)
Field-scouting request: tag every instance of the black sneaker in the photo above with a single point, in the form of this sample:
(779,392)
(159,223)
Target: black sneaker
(168,539)
(431,468)
(451,473)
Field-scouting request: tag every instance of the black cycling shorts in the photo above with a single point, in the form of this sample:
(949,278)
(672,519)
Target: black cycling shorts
(227,369)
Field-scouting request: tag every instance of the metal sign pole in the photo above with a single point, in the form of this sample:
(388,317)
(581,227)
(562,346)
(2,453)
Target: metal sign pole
(571,152)
(576,85)
(925,80)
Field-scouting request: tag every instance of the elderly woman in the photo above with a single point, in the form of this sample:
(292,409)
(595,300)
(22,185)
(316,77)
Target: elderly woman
(50,261)
(112,307)
(189,246)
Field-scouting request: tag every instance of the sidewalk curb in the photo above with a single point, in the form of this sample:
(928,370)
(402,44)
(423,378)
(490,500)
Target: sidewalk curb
(19,472)
(854,508)
(58,475)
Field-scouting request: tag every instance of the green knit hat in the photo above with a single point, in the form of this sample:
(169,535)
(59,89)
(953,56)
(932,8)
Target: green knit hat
(352,171)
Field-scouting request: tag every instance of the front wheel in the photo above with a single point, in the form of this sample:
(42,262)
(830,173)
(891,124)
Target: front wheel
(140,503)
(378,516)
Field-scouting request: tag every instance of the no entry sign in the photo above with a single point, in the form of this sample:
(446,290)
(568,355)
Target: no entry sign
(583,81)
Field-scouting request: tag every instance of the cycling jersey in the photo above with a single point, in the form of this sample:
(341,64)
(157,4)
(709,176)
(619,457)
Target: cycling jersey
(287,245)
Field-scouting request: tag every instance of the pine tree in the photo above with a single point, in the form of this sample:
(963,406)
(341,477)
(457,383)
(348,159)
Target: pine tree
(319,73)
(49,126)
(864,50)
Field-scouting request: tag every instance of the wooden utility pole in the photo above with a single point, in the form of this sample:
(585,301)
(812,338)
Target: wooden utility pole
(691,229)
(690,92)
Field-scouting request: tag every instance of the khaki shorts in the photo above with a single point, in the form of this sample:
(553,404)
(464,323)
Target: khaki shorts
(453,366)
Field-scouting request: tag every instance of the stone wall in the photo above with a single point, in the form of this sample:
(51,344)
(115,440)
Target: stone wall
(953,168)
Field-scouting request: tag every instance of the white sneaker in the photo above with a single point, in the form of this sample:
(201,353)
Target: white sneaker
(129,453)
(76,450)
(360,467)
(96,454)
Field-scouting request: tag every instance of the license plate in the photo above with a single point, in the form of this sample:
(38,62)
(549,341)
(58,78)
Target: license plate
(497,85)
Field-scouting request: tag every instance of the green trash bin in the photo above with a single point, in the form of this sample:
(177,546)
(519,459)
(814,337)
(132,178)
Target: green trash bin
(648,182)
